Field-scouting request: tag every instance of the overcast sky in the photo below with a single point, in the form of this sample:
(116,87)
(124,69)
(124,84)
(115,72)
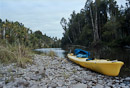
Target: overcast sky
(43,15)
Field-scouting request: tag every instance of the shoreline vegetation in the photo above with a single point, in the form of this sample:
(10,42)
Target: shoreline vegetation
(17,42)
(20,55)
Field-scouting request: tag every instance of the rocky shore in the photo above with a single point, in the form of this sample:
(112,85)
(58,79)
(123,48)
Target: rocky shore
(48,72)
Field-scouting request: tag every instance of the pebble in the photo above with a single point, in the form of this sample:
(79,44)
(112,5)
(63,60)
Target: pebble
(1,86)
(78,79)
(56,73)
(36,78)
(53,85)
(128,78)
(60,83)
(107,87)
(99,86)
(34,86)
(80,86)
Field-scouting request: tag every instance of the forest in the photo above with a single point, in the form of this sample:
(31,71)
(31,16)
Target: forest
(102,22)
(15,33)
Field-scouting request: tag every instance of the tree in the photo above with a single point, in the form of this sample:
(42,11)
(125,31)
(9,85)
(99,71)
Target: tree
(63,23)
(89,4)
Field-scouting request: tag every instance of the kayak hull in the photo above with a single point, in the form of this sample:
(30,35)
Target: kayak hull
(105,67)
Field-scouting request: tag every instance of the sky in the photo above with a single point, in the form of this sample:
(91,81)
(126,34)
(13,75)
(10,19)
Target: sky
(43,15)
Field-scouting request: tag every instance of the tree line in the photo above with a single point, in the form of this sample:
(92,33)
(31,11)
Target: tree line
(15,33)
(99,22)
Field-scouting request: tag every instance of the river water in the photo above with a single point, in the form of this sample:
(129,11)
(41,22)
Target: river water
(59,52)
(111,54)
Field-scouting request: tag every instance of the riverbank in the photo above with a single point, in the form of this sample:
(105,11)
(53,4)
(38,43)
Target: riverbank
(48,72)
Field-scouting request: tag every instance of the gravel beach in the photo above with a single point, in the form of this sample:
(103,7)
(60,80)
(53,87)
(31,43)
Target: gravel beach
(48,72)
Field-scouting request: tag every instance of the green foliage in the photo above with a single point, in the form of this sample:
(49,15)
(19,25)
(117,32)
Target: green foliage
(103,17)
(14,33)
(109,31)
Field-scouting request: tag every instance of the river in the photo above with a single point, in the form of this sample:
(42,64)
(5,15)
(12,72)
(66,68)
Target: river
(59,52)
(111,54)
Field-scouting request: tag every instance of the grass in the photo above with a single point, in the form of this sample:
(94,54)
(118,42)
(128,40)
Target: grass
(19,54)
(9,79)
(6,56)
(65,75)
(51,54)
(74,71)
(15,54)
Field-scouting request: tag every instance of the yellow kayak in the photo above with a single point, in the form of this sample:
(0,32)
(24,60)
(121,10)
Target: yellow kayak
(110,68)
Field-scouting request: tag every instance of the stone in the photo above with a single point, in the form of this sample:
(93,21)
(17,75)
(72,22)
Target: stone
(84,81)
(42,72)
(117,81)
(68,68)
(78,79)
(27,78)
(34,86)
(19,73)
(63,87)
(53,85)
(99,86)
(89,83)
(26,84)
(122,84)
(36,78)
(100,81)
(60,83)
(20,83)
(80,85)
(127,86)
(109,84)
(107,87)
(88,78)
(1,86)
(127,79)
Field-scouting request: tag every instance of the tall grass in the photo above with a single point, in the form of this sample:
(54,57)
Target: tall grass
(51,54)
(6,55)
(15,54)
